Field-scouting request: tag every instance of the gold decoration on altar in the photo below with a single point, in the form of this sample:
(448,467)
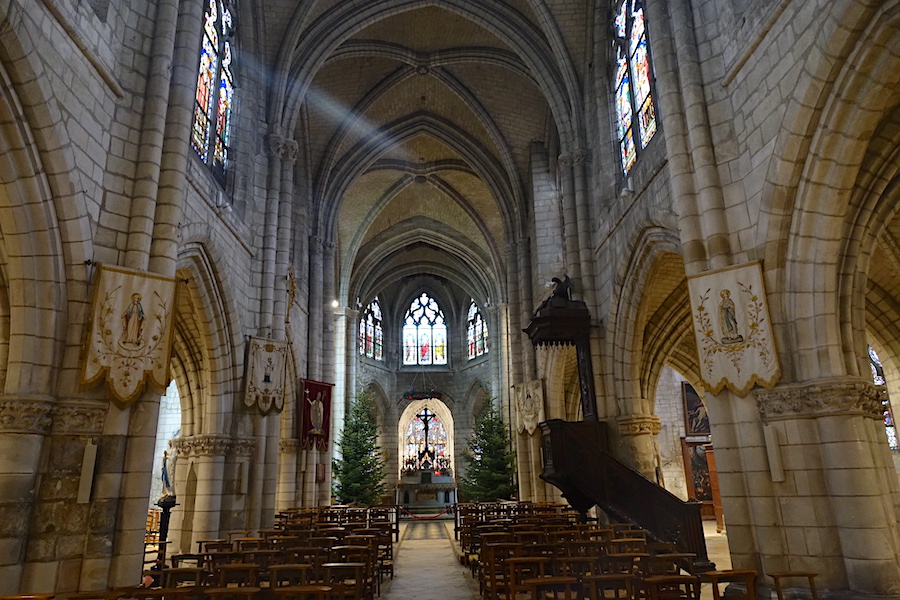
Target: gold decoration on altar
(130,335)
(733,329)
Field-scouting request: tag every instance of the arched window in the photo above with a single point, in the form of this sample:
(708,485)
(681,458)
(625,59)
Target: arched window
(371,336)
(476,332)
(635,113)
(421,453)
(424,333)
(215,88)
(878,378)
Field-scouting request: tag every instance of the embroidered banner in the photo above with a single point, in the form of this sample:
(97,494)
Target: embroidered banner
(266,366)
(529,404)
(733,330)
(130,335)
(314,410)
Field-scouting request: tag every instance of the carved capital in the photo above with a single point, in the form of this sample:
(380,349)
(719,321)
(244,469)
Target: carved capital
(289,446)
(274,145)
(244,447)
(291,151)
(566,160)
(203,445)
(581,156)
(822,398)
(631,425)
(26,415)
(79,418)
(316,244)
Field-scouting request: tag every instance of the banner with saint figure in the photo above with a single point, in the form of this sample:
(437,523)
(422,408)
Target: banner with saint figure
(314,413)
(529,404)
(130,335)
(733,330)
(266,366)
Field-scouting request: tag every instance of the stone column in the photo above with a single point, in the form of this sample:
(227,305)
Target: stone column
(639,441)
(316,310)
(570,219)
(834,494)
(24,423)
(275,146)
(287,474)
(179,120)
(203,456)
(283,244)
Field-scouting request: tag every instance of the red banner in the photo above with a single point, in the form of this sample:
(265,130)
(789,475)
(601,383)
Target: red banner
(314,409)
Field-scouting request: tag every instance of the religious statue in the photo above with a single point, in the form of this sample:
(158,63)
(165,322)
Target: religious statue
(562,289)
(167,463)
(133,322)
(267,370)
(728,319)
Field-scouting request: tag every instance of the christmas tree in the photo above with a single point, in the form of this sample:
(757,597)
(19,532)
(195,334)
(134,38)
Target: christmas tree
(359,474)
(489,472)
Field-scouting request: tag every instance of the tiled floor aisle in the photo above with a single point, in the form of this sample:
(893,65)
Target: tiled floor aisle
(425,566)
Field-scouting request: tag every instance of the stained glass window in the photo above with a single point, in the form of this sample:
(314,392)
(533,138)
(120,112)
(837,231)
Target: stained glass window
(635,112)
(424,333)
(371,335)
(215,88)
(419,455)
(476,332)
(878,378)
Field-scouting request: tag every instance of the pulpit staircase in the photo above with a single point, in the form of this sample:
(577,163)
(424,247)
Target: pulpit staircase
(577,461)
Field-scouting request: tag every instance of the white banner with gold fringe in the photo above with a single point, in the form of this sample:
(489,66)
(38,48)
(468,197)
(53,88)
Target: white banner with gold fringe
(266,364)
(130,335)
(529,404)
(734,336)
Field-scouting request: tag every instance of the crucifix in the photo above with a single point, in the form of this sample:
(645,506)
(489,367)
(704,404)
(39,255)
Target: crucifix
(426,416)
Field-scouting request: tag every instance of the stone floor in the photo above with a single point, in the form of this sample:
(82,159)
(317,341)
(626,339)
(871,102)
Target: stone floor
(427,568)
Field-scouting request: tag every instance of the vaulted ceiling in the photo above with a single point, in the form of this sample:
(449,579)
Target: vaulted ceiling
(418,120)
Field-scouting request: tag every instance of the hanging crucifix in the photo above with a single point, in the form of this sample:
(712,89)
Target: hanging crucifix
(426,457)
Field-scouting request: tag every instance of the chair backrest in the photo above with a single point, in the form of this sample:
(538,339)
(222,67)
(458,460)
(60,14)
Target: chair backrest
(239,574)
(554,588)
(672,587)
(622,563)
(521,568)
(577,566)
(610,586)
(289,575)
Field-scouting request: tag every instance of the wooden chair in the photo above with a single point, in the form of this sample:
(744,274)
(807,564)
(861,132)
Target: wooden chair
(235,581)
(304,592)
(521,568)
(672,587)
(346,580)
(626,546)
(609,586)
(493,583)
(576,566)
(810,576)
(288,575)
(554,588)
(746,578)
(619,563)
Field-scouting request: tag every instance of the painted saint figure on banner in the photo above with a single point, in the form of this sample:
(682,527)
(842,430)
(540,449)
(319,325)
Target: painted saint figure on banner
(316,414)
(133,322)
(728,319)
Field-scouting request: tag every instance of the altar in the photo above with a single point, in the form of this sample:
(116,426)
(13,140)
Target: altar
(424,490)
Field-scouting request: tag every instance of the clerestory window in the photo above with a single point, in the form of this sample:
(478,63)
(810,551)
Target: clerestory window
(424,333)
(215,88)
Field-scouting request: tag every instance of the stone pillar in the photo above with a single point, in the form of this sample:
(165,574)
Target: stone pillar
(316,311)
(24,423)
(283,243)
(204,458)
(286,496)
(329,354)
(570,219)
(639,442)
(275,146)
(833,494)
(523,466)
(179,120)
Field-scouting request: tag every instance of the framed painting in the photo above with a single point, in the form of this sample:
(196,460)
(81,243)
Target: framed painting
(696,420)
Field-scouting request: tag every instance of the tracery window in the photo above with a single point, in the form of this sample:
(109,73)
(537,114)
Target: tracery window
(878,378)
(215,88)
(476,332)
(635,111)
(424,333)
(371,335)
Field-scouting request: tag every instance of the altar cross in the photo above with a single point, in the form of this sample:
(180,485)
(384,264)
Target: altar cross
(426,416)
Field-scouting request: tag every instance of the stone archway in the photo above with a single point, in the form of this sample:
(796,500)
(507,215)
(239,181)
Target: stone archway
(430,482)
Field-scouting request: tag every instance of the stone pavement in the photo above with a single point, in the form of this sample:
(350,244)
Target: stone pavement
(426,566)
